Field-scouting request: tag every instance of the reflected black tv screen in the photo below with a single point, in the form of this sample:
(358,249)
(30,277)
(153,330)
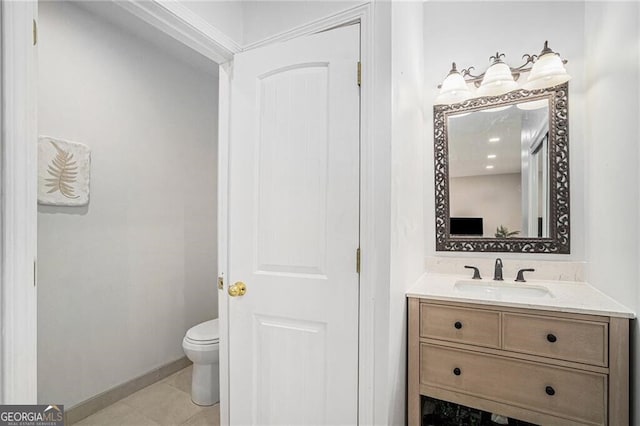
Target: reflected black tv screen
(466,226)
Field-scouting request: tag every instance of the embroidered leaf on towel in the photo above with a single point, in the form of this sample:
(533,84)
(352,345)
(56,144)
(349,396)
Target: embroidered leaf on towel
(64,171)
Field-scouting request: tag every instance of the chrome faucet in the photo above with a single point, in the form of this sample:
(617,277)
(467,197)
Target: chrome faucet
(497,272)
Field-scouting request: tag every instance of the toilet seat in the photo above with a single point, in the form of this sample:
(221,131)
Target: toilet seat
(206,333)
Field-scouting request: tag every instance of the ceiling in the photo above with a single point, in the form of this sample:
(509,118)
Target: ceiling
(475,136)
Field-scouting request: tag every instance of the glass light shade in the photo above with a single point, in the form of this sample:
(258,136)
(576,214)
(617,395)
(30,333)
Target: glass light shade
(497,80)
(547,71)
(454,89)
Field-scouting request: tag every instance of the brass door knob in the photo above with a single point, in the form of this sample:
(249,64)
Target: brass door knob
(238,289)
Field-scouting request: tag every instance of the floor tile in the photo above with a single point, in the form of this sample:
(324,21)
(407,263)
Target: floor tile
(210,416)
(163,404)
(181,380)
(137,419)
(118,414)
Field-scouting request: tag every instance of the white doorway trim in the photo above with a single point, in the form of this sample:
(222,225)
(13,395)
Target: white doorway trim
(18,205)
(176,20)
(224,109)
(353,14)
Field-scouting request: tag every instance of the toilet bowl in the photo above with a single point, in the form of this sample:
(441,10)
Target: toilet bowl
(200,345)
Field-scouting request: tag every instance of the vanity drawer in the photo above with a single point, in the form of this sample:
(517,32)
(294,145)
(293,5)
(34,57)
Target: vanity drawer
(464,325)
(570,394)
(566,339)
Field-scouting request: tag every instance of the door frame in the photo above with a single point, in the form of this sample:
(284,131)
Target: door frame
(362,14)
(18,209)
(18,297)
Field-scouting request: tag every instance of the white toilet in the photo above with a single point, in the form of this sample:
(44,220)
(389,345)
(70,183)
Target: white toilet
(200,344)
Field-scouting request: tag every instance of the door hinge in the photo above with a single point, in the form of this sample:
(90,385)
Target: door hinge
(359,73)
(358,260)
(35,272)
(35,32)
(221,282)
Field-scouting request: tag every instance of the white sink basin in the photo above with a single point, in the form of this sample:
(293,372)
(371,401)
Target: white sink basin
(501,290)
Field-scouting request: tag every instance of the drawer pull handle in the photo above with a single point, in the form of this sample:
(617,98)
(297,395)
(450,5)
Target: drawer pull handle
(551,338)
(550,391)
(457,371)
(458,325)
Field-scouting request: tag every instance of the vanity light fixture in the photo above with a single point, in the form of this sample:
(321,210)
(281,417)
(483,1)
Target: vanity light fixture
(454,88)
(494,140)
(489,166)
(498,79)
(491,156)
(545,70)
(548,70)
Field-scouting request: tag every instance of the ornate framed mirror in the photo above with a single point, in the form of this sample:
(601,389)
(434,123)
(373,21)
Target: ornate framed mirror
(502,173)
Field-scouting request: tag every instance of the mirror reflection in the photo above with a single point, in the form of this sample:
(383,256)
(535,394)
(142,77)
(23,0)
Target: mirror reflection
(499,171)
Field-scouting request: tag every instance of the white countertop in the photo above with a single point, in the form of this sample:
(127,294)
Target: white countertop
(566,296)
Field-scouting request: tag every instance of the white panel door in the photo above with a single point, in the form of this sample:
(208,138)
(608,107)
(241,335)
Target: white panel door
(294,231)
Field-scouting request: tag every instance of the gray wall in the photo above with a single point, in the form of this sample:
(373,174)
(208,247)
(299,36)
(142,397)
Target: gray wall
(120,281)
(495,198)
(480,29)
(225,15)
(407,250)
(612,34)
(263,19)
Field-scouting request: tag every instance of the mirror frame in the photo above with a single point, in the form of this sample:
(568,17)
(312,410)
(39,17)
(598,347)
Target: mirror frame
(559,212)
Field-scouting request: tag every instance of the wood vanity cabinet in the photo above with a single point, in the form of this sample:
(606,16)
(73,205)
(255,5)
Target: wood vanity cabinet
(543,367)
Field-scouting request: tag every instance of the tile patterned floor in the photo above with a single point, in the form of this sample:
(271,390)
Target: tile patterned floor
(166,403)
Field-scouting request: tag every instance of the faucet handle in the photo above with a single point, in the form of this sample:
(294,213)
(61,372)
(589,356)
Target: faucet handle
(476,272)
(520,277)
